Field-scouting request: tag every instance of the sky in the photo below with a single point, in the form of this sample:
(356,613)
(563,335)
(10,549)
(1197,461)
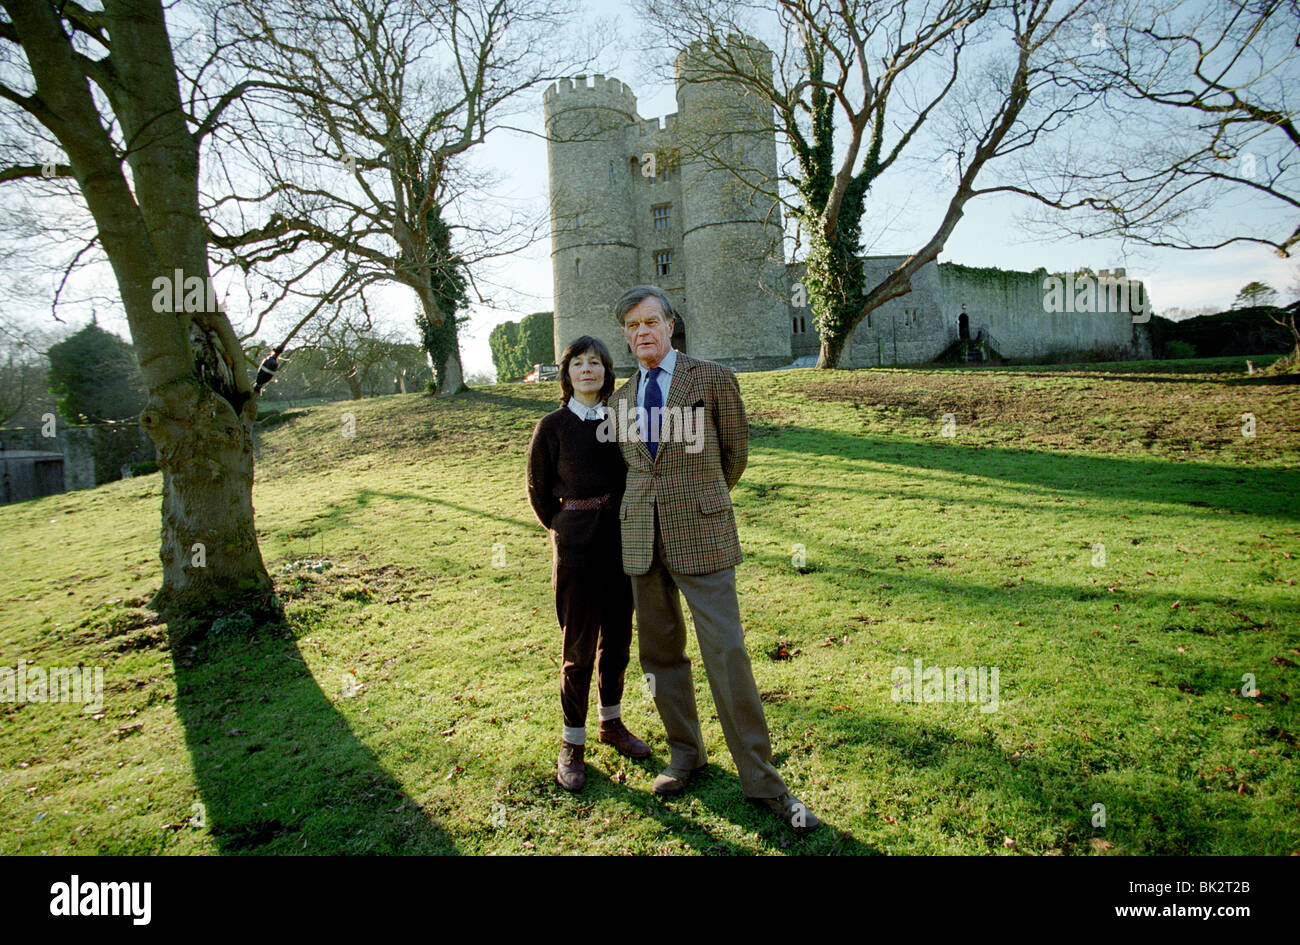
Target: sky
(901,214)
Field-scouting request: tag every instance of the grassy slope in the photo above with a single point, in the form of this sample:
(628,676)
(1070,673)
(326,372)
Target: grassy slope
(414,705)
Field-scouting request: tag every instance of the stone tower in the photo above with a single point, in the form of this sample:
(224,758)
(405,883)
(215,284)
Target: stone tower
(592,131)
(737,291)
(636,201)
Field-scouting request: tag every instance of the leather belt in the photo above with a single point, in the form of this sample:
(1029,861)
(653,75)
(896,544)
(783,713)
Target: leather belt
(605,501)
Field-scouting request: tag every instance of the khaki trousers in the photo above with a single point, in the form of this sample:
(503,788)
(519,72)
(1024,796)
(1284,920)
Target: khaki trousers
(661,635)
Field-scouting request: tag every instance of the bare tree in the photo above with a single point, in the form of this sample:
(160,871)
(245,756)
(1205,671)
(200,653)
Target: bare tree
(359,130)
(1199,124)
(887,71)
(23,367)
(355,351)
(103,84)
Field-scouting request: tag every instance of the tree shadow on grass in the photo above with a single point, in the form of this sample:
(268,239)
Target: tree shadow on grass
(1254,491)
(335,515)
(278,769)
(1044,803)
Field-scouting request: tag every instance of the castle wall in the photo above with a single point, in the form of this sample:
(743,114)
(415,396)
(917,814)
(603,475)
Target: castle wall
(725,273)
(1013,308)
(1010,307)
(735,280)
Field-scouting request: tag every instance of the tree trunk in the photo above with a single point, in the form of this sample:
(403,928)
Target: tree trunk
(200,407)
(451,378)
(354,384)
(831,352)
(209,545)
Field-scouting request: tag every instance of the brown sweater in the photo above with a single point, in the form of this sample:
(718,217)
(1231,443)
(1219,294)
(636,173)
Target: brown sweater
(567,461)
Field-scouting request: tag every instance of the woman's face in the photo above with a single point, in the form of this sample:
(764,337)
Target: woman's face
(587,374)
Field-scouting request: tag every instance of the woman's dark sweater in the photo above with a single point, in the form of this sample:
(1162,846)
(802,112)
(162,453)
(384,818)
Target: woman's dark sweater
(567,461)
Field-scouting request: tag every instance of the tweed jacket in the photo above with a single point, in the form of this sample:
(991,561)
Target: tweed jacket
(697,464)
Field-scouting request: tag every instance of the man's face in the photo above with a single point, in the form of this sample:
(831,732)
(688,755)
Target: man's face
(648,334)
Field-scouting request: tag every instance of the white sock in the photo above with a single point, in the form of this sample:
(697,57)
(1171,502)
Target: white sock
(574,736)
(607,712)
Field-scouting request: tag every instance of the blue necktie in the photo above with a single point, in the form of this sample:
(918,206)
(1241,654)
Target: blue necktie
(654,402)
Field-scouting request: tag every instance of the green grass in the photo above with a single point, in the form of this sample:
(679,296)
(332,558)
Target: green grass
(411,705)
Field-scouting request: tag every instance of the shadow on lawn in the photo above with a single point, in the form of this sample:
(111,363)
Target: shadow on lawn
(278,768)
(718,790)
(335,515)
(1236,489)
(1046,802)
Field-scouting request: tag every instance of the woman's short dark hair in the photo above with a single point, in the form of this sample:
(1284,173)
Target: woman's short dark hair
(582,346)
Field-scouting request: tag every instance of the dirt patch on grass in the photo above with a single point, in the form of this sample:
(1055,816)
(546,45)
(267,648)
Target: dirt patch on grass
(1165,413)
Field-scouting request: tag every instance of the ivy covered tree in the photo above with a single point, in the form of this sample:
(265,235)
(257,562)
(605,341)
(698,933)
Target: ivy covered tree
(449,288)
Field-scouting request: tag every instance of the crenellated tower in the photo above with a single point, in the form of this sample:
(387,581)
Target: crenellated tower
(591,131)
(736,283)
(685,203)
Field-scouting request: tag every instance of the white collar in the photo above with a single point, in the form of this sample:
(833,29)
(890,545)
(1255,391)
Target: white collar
(583,412)
(667,365)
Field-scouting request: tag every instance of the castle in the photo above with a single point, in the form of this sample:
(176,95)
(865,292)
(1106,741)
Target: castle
(635,201)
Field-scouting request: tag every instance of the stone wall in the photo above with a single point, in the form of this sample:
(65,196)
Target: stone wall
(1010,307)
(92,454)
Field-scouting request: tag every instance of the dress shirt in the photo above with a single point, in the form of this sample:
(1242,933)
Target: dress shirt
(665,377)
(583,412)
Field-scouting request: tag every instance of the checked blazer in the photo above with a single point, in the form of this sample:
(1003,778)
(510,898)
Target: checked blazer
(688,489)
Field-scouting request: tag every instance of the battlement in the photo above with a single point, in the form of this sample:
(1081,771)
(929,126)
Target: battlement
(576,92)
(665,123)
(755,48)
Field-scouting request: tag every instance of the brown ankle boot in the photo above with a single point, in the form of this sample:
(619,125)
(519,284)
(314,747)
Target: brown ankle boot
(571,769)
(615,733)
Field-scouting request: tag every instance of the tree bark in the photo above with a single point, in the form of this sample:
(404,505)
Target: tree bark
(200,407)
(354,383)
(209,544)
(451,379)
(831,351)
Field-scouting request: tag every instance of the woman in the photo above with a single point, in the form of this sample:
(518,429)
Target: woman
(575,485)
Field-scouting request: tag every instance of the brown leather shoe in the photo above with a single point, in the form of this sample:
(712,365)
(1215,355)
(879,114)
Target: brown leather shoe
(615,733)
(571,769)
(674,780)
(792,811)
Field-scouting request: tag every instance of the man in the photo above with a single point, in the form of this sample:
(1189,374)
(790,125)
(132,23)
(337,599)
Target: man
(683,456)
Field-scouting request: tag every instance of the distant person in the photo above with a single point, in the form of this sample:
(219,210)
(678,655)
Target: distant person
(575,484)
(679,532)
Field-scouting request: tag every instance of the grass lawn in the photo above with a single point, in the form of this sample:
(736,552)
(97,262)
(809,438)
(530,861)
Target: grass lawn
(1105,537)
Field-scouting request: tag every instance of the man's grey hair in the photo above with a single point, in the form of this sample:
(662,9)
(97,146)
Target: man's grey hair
(638,294)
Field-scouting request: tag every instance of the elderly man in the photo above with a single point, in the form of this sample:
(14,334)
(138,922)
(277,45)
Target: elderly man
(685,454)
